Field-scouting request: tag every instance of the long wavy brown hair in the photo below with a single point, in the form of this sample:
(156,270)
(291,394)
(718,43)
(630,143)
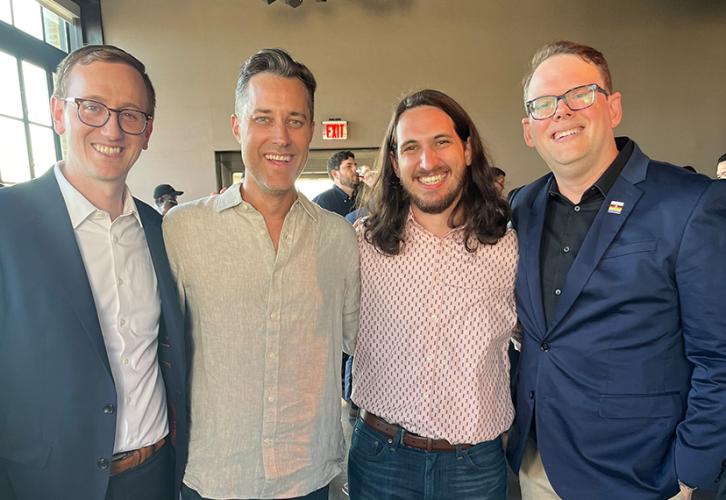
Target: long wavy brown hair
(480,209)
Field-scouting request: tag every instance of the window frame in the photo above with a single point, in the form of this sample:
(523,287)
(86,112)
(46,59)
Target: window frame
(86,27)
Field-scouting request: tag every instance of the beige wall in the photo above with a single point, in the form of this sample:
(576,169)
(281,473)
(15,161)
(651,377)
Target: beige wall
(668,57)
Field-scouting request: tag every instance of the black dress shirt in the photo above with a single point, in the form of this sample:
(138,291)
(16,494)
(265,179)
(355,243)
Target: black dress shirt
(566,225)
(336,200)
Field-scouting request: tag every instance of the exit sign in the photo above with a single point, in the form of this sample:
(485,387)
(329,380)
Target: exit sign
(335,130)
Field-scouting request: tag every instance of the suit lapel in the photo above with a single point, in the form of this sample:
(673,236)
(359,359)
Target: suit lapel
(65,261)
(155,242)
(600,235)
(532,233)
(170,323)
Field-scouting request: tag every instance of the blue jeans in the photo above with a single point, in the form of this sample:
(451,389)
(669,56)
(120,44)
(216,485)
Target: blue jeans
(380,468)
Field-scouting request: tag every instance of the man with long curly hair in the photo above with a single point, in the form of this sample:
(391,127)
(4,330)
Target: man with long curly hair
(437,310)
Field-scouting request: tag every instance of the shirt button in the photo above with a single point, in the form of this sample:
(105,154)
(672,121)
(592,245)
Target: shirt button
(102,464)
(122,322)
(125,360)
(120,281)
(531,394)
(270,399)
(544,347)
(577,208)
(109,409)
(566,249)
(433,317)
(558,291)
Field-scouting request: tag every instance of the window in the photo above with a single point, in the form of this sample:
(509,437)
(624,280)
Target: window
(34,36)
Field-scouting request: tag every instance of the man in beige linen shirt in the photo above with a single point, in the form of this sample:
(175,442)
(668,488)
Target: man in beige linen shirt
(270,284)
(437,310)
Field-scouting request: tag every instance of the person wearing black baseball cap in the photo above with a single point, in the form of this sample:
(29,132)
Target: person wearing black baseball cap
(165,197)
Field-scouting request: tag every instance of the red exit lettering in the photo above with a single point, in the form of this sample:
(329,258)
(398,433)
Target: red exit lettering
(335,130)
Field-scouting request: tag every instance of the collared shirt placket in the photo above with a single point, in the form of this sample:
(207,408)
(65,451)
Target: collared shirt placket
(433,322)
(272,350)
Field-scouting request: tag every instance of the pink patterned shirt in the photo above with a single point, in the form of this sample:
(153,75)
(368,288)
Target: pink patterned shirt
(435,323)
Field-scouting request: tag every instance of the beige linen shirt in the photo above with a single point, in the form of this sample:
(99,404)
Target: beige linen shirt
(435,325)
(268,330)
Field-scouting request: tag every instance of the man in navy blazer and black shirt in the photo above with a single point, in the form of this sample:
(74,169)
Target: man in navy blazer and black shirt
(91,334)
(622,375)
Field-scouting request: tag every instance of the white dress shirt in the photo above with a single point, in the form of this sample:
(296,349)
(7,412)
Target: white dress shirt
(125,290)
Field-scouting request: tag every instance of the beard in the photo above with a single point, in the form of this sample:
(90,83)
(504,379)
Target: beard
(440,204)
(349,182)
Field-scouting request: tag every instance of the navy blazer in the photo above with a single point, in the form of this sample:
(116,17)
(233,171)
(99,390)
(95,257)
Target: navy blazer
(57,394)
(628,384)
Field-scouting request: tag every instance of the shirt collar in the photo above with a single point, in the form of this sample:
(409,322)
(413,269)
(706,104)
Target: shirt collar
(607,179)
(343,195)
(233,197)
(413,223)
(79,208)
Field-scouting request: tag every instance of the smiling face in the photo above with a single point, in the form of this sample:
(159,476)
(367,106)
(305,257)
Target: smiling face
(274,131)
(102,155)
(431,160)
(574,144)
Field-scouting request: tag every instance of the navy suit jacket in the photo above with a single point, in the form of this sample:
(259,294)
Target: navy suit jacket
(628,384)
(57,394)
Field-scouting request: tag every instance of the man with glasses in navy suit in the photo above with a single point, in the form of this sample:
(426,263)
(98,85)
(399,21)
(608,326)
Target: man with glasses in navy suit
(622,374)
(91,333)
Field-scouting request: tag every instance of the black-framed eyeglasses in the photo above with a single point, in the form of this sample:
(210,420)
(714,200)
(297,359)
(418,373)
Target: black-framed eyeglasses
(543,107)
(96,114)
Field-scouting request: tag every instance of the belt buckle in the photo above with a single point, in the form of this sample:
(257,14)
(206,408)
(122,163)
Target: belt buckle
(121,456)
(429,444)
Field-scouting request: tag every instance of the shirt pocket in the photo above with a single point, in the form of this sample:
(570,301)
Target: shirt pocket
(479,298)
(480,274)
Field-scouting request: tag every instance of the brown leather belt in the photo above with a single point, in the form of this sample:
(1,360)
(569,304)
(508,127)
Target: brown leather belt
(412,440)
(121,462)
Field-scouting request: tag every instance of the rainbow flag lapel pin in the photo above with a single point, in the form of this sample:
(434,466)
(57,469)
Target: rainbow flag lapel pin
(616,207)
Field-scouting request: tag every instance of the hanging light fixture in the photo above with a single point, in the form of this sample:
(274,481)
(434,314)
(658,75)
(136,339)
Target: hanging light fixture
(291,3)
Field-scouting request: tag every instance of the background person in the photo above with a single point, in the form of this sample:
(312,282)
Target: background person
(343,170)
(165,198)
